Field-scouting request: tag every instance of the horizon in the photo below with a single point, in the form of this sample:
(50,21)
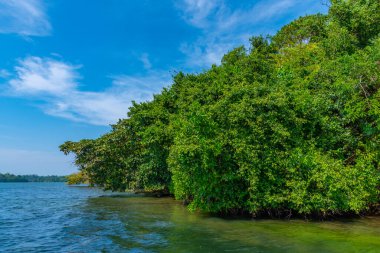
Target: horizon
(49,175)
(69,79)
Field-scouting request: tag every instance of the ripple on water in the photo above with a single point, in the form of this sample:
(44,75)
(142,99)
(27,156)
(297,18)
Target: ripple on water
(51,217)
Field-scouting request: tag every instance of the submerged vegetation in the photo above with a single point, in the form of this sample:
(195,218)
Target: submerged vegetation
(291,125)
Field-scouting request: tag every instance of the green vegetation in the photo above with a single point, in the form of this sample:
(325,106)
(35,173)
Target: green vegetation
(77,178)
(290,126)
(8,178)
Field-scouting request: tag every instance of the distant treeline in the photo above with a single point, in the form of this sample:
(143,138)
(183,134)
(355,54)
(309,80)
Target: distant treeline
(30,178)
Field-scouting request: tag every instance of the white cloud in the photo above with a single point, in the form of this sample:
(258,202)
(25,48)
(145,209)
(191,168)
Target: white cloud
(145,61)
(57,84)
(222,28)
(104,108)
(47,76)
(197,12)
(24,17)
(209,50)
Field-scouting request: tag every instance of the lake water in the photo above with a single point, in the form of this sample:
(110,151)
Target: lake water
(53,217)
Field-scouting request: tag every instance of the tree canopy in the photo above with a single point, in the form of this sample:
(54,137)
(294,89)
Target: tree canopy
(11,178)
(289,125)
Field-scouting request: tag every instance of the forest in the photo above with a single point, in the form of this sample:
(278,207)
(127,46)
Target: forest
(288,126)
(11,178)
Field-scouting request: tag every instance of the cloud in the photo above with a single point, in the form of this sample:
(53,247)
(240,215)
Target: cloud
(106,107)
(209,50)
(223,28)
(57,84)
(197,12)
(24,17)
(44,76)
(145,61)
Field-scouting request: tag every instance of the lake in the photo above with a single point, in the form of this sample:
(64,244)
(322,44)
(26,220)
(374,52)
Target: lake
(53,217)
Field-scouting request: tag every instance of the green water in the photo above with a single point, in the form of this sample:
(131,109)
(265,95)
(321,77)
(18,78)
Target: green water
(44,217)
(150,220)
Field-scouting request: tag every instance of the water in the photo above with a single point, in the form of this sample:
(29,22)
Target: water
(52,217)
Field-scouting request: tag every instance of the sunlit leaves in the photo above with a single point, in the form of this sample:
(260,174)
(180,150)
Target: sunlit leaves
(291,125)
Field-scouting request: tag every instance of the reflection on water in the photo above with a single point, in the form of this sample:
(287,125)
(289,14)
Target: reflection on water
(57,218)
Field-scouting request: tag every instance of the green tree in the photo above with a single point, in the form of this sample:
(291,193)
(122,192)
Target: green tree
(289,126)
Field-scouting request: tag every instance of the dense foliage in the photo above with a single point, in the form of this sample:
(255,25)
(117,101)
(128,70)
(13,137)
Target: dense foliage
(77,178)
(290,125)
(8,178)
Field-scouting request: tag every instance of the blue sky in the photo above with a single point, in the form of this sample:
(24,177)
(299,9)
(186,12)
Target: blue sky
(69,68)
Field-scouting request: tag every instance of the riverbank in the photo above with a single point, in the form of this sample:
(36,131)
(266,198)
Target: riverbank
(278,214)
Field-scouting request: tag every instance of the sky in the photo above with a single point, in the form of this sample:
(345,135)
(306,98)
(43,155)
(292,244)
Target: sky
(70,68)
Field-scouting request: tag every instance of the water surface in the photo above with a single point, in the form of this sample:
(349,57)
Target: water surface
(52,217)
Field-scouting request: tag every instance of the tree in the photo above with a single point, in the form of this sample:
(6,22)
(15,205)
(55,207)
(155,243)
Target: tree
(289,126)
